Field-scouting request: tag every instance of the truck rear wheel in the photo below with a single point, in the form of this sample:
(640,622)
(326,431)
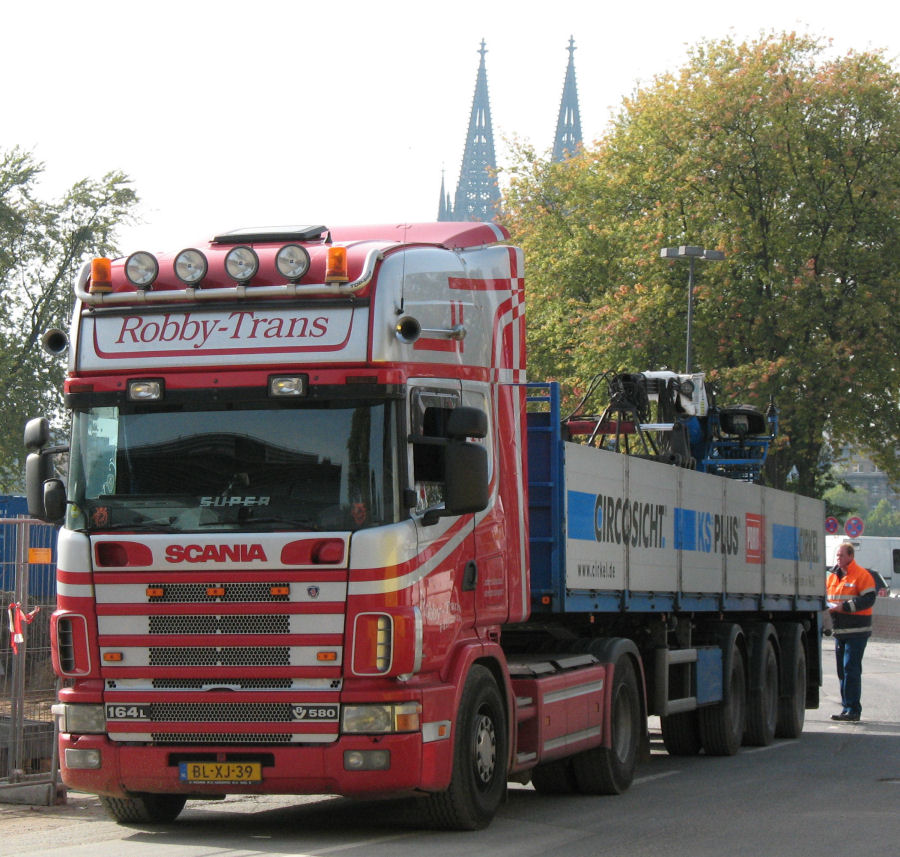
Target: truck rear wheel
(144,808)
(762,701)
(722,725)
(554,778)
(681,733)
(792,701)
(480,758)
(610,770)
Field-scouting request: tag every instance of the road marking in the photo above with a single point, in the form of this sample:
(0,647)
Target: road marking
(350,845)
(641,780)
(774,746)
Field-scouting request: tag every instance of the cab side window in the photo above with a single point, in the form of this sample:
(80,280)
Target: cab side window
(429,412)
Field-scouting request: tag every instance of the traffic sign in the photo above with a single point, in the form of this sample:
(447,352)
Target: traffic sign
(854,527)
(832,525)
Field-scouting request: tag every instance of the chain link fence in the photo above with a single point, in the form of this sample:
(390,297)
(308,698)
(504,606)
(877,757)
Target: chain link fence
(28,754)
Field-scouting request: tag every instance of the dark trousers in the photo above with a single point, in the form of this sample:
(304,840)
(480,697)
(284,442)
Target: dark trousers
(848,650)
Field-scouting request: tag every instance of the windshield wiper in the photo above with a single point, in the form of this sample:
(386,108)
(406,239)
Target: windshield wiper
(137,526)
(299,523)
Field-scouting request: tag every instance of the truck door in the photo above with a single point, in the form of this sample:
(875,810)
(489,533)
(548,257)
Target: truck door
(445,549)
(491,531)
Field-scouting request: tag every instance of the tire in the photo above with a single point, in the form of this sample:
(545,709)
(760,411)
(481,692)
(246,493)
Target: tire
(722,725)
(610,770)
(792,702)
(681,733)
(762,700)
(554,778)
(144,808)
(480,759)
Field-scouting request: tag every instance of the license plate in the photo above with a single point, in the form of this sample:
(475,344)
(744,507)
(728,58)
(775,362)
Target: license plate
(220,772)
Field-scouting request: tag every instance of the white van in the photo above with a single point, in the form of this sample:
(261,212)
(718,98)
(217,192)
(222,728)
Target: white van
(881,553)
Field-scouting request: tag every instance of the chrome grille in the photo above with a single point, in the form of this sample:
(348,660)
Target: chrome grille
(240,712)
(181,593)
(220,624)
(178,656)
(218,738)
(204,683)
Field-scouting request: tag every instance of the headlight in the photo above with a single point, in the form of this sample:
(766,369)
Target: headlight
(80,719)
(190,266)
(292,261)
(145,390)
(380,719)
(141,269)
(242,263)
(288,385)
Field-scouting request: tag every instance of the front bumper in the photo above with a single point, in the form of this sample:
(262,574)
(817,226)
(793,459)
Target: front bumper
(413,765)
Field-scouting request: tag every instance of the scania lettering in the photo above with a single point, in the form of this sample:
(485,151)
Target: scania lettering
(215,553)
(320,534)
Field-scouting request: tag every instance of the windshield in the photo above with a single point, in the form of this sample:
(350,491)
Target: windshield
(314,467)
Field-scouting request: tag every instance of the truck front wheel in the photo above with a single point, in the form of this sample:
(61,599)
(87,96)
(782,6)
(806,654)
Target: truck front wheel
(480,758)
(144,808)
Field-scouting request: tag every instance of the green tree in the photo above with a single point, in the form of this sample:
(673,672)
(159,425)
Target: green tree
(883,520)
(787,159)
(844,502)
(42,248)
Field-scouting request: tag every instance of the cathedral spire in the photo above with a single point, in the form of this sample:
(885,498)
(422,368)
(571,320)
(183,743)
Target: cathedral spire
(477,194)
(445,207)
(568,125)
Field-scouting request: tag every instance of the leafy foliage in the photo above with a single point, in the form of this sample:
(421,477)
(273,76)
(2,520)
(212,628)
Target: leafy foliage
(883,520)
(42,247)
(786,159)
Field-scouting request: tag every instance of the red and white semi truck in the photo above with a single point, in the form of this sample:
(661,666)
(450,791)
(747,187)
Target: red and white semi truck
(319,536)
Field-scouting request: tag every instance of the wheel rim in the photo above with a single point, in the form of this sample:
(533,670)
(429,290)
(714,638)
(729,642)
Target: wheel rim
(485,749)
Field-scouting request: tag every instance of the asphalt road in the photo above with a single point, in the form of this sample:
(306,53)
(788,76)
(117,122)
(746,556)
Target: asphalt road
(835,791)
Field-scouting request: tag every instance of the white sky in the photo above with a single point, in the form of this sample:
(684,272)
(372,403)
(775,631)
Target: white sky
(229,114)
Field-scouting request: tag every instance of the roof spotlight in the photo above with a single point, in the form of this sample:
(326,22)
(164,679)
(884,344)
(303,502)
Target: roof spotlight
(141,269)
(292,261)
(242,263)
(190,266)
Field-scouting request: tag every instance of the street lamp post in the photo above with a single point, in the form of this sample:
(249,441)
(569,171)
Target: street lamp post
(690,252)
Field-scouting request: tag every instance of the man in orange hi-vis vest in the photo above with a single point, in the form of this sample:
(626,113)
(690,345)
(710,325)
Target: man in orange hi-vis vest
(851,596)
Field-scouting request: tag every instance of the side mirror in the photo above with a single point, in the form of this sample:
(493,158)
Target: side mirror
(466,422)
(464,465)
(37,471)
(37,433)
(54,500)
(466,486)
(45,494)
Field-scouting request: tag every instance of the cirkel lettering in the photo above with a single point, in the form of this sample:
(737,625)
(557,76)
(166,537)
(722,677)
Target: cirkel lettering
(625,521)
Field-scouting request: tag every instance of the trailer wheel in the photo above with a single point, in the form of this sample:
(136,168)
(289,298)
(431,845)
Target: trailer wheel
(610,770)
(722,725)
(144,808)
(681,733)
(554,778)
(762,701)
(792,702)
(480,759)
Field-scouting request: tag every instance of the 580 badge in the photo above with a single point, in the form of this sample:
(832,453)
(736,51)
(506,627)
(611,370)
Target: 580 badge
(127,712)
(314,712)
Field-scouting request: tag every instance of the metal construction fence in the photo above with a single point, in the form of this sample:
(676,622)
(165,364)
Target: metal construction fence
(28,755)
